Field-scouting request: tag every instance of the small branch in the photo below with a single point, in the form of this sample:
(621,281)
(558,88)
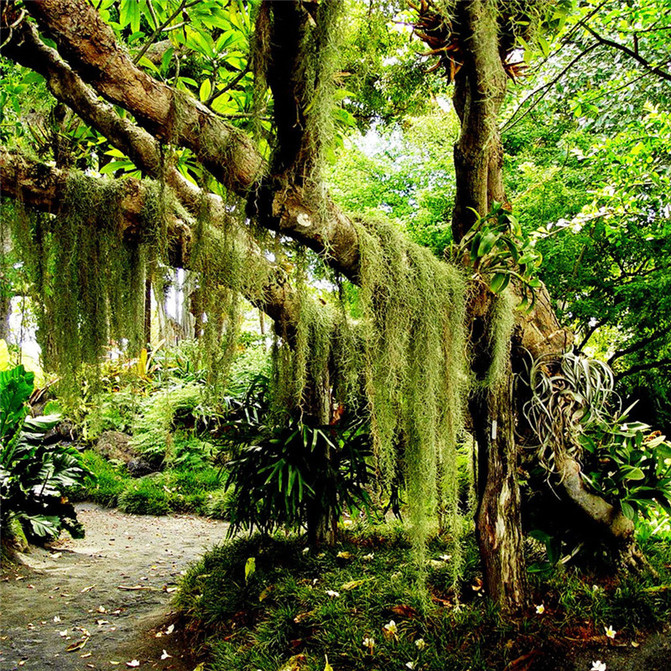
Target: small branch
(639,345)
(159,29)
(631,53)
(544,89)
(588,335)
(216,93)
(639,368)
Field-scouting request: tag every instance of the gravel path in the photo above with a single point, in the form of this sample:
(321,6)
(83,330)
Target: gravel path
(107,595)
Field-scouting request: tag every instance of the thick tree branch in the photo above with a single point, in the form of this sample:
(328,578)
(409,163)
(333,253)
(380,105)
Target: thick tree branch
(89,45)
(27,49)
(43,187)
(639,368)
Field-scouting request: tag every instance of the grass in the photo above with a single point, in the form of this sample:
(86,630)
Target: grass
(286,611)
(188,490)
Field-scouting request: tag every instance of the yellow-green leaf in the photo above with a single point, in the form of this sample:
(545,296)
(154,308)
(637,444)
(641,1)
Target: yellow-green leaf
(250,568)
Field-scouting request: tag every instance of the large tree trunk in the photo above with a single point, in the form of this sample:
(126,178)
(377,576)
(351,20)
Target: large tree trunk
(478,158)
(498,517)
(499,513)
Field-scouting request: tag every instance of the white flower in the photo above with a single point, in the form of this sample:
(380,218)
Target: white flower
(165,655)
(369,642)
(598,666)
(390,628)
(410,665)
(446,557)
(420,643)
(369,556)
(332,593)
(610,632)
(540,609)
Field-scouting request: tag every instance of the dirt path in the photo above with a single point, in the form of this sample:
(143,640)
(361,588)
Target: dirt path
(74,594)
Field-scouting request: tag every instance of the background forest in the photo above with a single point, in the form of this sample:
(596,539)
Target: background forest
(392,275)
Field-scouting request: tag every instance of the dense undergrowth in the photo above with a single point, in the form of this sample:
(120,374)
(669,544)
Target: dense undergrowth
(272,603)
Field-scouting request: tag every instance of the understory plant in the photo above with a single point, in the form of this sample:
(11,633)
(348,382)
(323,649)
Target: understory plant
(34,476)
(288,474)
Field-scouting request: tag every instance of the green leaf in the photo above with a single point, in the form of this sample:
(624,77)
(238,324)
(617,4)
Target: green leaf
(634,474)
(205,90)
(499,282)
(627,510)
(250,568)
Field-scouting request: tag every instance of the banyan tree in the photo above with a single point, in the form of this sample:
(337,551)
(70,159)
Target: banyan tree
(436,343)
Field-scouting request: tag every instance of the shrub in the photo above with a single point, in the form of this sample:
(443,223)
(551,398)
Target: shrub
(292,475)
(146,496)
(34,476)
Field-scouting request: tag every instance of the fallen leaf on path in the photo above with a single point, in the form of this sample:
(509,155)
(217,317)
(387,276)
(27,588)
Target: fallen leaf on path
(87,589)
(266,592)
(100,623)
(133,663)
(170,629)
(102,609)
(303,616)
(77,645)
(134,587)
(353,584)
(57,619)
(294,663)
(85,655)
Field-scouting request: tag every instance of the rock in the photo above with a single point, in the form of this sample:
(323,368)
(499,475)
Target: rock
(139,466)
(115,445)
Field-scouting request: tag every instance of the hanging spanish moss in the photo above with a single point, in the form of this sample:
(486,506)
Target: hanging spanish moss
(87,277)
(317,366)
(226,271)
(414,307)
(500,334)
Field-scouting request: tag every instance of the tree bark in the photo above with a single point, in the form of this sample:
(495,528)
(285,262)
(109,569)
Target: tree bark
(478,158)
(499,512)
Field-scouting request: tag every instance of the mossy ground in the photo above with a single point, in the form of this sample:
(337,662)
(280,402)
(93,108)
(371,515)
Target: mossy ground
(301,606)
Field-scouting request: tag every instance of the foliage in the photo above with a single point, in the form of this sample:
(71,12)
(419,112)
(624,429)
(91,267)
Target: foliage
(34,476)
(181,489)
(291,474)
(157,419)
(332,600)
(495,249)
(568,395)
(573,408)
(628,464)
(415,363)
(87,281)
